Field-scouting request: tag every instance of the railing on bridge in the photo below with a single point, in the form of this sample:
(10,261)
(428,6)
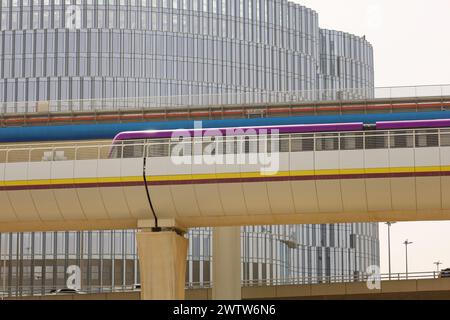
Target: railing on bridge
(37,290)
(364,277)
(207,100)
(314,142)
(47,289)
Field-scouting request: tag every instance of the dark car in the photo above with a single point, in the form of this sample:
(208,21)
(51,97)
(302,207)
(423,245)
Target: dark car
(445,273)
(65,291)
(137,286)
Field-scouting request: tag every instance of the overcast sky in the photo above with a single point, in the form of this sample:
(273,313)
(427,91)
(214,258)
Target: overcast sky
(410,37)
(411,40)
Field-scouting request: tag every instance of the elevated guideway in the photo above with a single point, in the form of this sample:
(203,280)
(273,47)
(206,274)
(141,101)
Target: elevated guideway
(103,118)
(90,132)
(128,113)
(401,176)
(363,100)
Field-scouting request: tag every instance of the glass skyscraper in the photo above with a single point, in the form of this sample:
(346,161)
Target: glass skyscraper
(99,49)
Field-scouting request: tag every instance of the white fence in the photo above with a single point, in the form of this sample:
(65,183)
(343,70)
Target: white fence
(40,290)
(239,99)
(317,142)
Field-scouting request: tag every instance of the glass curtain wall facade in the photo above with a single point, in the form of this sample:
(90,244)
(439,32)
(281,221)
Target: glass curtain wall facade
(73,49)
(67,49)
(34,263)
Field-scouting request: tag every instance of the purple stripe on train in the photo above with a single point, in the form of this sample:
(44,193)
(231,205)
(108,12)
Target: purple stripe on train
(437,123)
(304,128)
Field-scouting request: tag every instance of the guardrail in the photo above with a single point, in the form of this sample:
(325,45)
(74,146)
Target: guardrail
(315,142)
(207,100)
(38,290)
(18,291)
(306,280)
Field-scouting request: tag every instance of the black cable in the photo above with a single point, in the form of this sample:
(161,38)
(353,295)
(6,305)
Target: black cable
(156,228)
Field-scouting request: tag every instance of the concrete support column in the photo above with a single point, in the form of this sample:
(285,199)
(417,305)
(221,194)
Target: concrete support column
(226,263)
(162,264)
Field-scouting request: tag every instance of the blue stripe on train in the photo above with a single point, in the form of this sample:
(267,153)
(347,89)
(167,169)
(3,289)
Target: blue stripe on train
(108,131)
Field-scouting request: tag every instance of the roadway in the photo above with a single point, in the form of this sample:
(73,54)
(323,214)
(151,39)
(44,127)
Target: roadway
(416,289)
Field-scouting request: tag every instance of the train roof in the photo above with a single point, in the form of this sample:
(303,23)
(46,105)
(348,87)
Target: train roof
(281,129)
(435,123)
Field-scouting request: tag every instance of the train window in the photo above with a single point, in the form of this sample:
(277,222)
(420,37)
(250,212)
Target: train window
(249,145)
(133,149)
(197,146)
(296,145)
(401,139)
(116,151)
(180,147)
(274,143)
(445,138)
(265,143)
(327,142)
(427,138)
(308,144)
(220,145)
(246,142)
(352,141)
(284,143)
(231,145)
(376,140)
(302,143)
(210,145)
(158,148)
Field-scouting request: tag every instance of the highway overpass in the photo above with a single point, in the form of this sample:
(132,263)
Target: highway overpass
(417,289)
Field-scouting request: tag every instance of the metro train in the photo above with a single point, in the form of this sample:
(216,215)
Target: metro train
(355,133)
(321,168)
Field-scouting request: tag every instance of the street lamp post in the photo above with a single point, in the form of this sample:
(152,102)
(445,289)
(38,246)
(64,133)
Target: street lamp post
(406,243)
(437,263)
(4,255)
(389,224)
(4,275)
(290,243)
